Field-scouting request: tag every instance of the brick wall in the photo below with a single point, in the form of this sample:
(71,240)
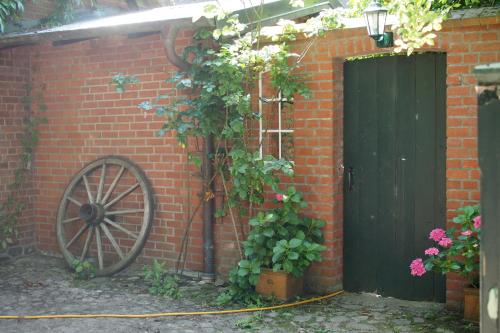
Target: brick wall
(88,119)
(14,107)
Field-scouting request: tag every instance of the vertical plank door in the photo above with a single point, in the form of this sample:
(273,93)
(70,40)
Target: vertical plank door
(394,163)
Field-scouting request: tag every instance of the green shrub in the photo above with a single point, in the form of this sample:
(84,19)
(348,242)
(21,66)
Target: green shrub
(281,239)
(160,282)
(84,270)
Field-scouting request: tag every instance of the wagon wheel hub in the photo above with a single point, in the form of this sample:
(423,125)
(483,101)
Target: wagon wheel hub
(92,214)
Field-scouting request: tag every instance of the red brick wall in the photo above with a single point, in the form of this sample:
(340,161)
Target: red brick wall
(88,119)
(468,43)
(14,107)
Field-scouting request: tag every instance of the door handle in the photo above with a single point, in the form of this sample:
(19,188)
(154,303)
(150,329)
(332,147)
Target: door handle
(350,179)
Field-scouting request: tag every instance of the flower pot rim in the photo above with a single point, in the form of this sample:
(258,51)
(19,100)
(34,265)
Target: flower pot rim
(280,272)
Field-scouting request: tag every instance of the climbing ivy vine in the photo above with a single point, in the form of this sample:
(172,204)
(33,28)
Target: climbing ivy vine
(217,103)
(12,208)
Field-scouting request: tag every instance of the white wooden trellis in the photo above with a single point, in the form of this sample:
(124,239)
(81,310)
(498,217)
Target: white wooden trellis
(262,131)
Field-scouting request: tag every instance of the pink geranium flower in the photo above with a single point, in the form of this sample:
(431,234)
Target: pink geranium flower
(417,267)
(279,197)
(477,222)
(467,233)
(432,251)
(437,234)
(445,242)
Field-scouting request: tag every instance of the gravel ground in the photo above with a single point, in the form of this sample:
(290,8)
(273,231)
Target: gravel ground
(43,285)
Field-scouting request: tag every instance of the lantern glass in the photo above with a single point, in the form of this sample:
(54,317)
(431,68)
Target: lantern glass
(375,16)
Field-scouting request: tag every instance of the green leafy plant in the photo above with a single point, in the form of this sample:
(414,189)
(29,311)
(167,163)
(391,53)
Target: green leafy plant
(84,270)
(10,211)
(64,12)
(161,283)
(121,81)
(463,3)
(456,249)
(416,23)
(249,322)
(10,9)
(281,239)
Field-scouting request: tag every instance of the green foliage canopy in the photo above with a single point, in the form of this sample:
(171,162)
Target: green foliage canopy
(10,9)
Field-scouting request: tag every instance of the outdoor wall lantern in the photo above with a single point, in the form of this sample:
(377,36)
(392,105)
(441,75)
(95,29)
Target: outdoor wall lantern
(375,15)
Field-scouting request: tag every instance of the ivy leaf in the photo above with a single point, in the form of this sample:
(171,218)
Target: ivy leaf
(237,125)
(300,235)
(287,266)
(196,160)
(185,83)
(244,264)
(146,106)
(175,78)
(160,111)
(268,233)
(296,3)
(294,243)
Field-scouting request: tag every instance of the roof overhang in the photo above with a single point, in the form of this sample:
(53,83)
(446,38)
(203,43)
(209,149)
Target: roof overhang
(154,20)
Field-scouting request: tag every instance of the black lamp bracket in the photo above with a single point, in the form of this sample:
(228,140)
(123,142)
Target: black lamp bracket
(384,40)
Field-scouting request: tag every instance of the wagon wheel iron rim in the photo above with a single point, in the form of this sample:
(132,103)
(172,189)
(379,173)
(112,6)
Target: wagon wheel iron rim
(92,226)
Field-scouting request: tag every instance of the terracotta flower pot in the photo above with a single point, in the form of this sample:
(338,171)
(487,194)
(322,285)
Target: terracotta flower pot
(471,304)
(279,284)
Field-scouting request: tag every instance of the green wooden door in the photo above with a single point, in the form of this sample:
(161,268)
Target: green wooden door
(394,164)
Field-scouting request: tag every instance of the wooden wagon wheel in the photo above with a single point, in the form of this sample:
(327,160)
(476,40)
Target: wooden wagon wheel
(105,214)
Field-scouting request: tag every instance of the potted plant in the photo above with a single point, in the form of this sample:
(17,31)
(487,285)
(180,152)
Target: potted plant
(281,245)
(457,250)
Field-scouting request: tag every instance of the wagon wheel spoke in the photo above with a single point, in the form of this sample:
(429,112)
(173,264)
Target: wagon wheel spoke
(87,187)
(76,202)
(112,240)
(77,235)
(73,219)
(113,184)
(119,227)
(99,248)
(124,212)
(87,244)
(101,183)
(121,196)
(88,199)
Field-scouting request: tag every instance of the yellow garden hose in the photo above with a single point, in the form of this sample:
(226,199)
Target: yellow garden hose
(174,314)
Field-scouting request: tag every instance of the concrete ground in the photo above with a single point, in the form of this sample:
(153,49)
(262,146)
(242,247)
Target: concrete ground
(43,285)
